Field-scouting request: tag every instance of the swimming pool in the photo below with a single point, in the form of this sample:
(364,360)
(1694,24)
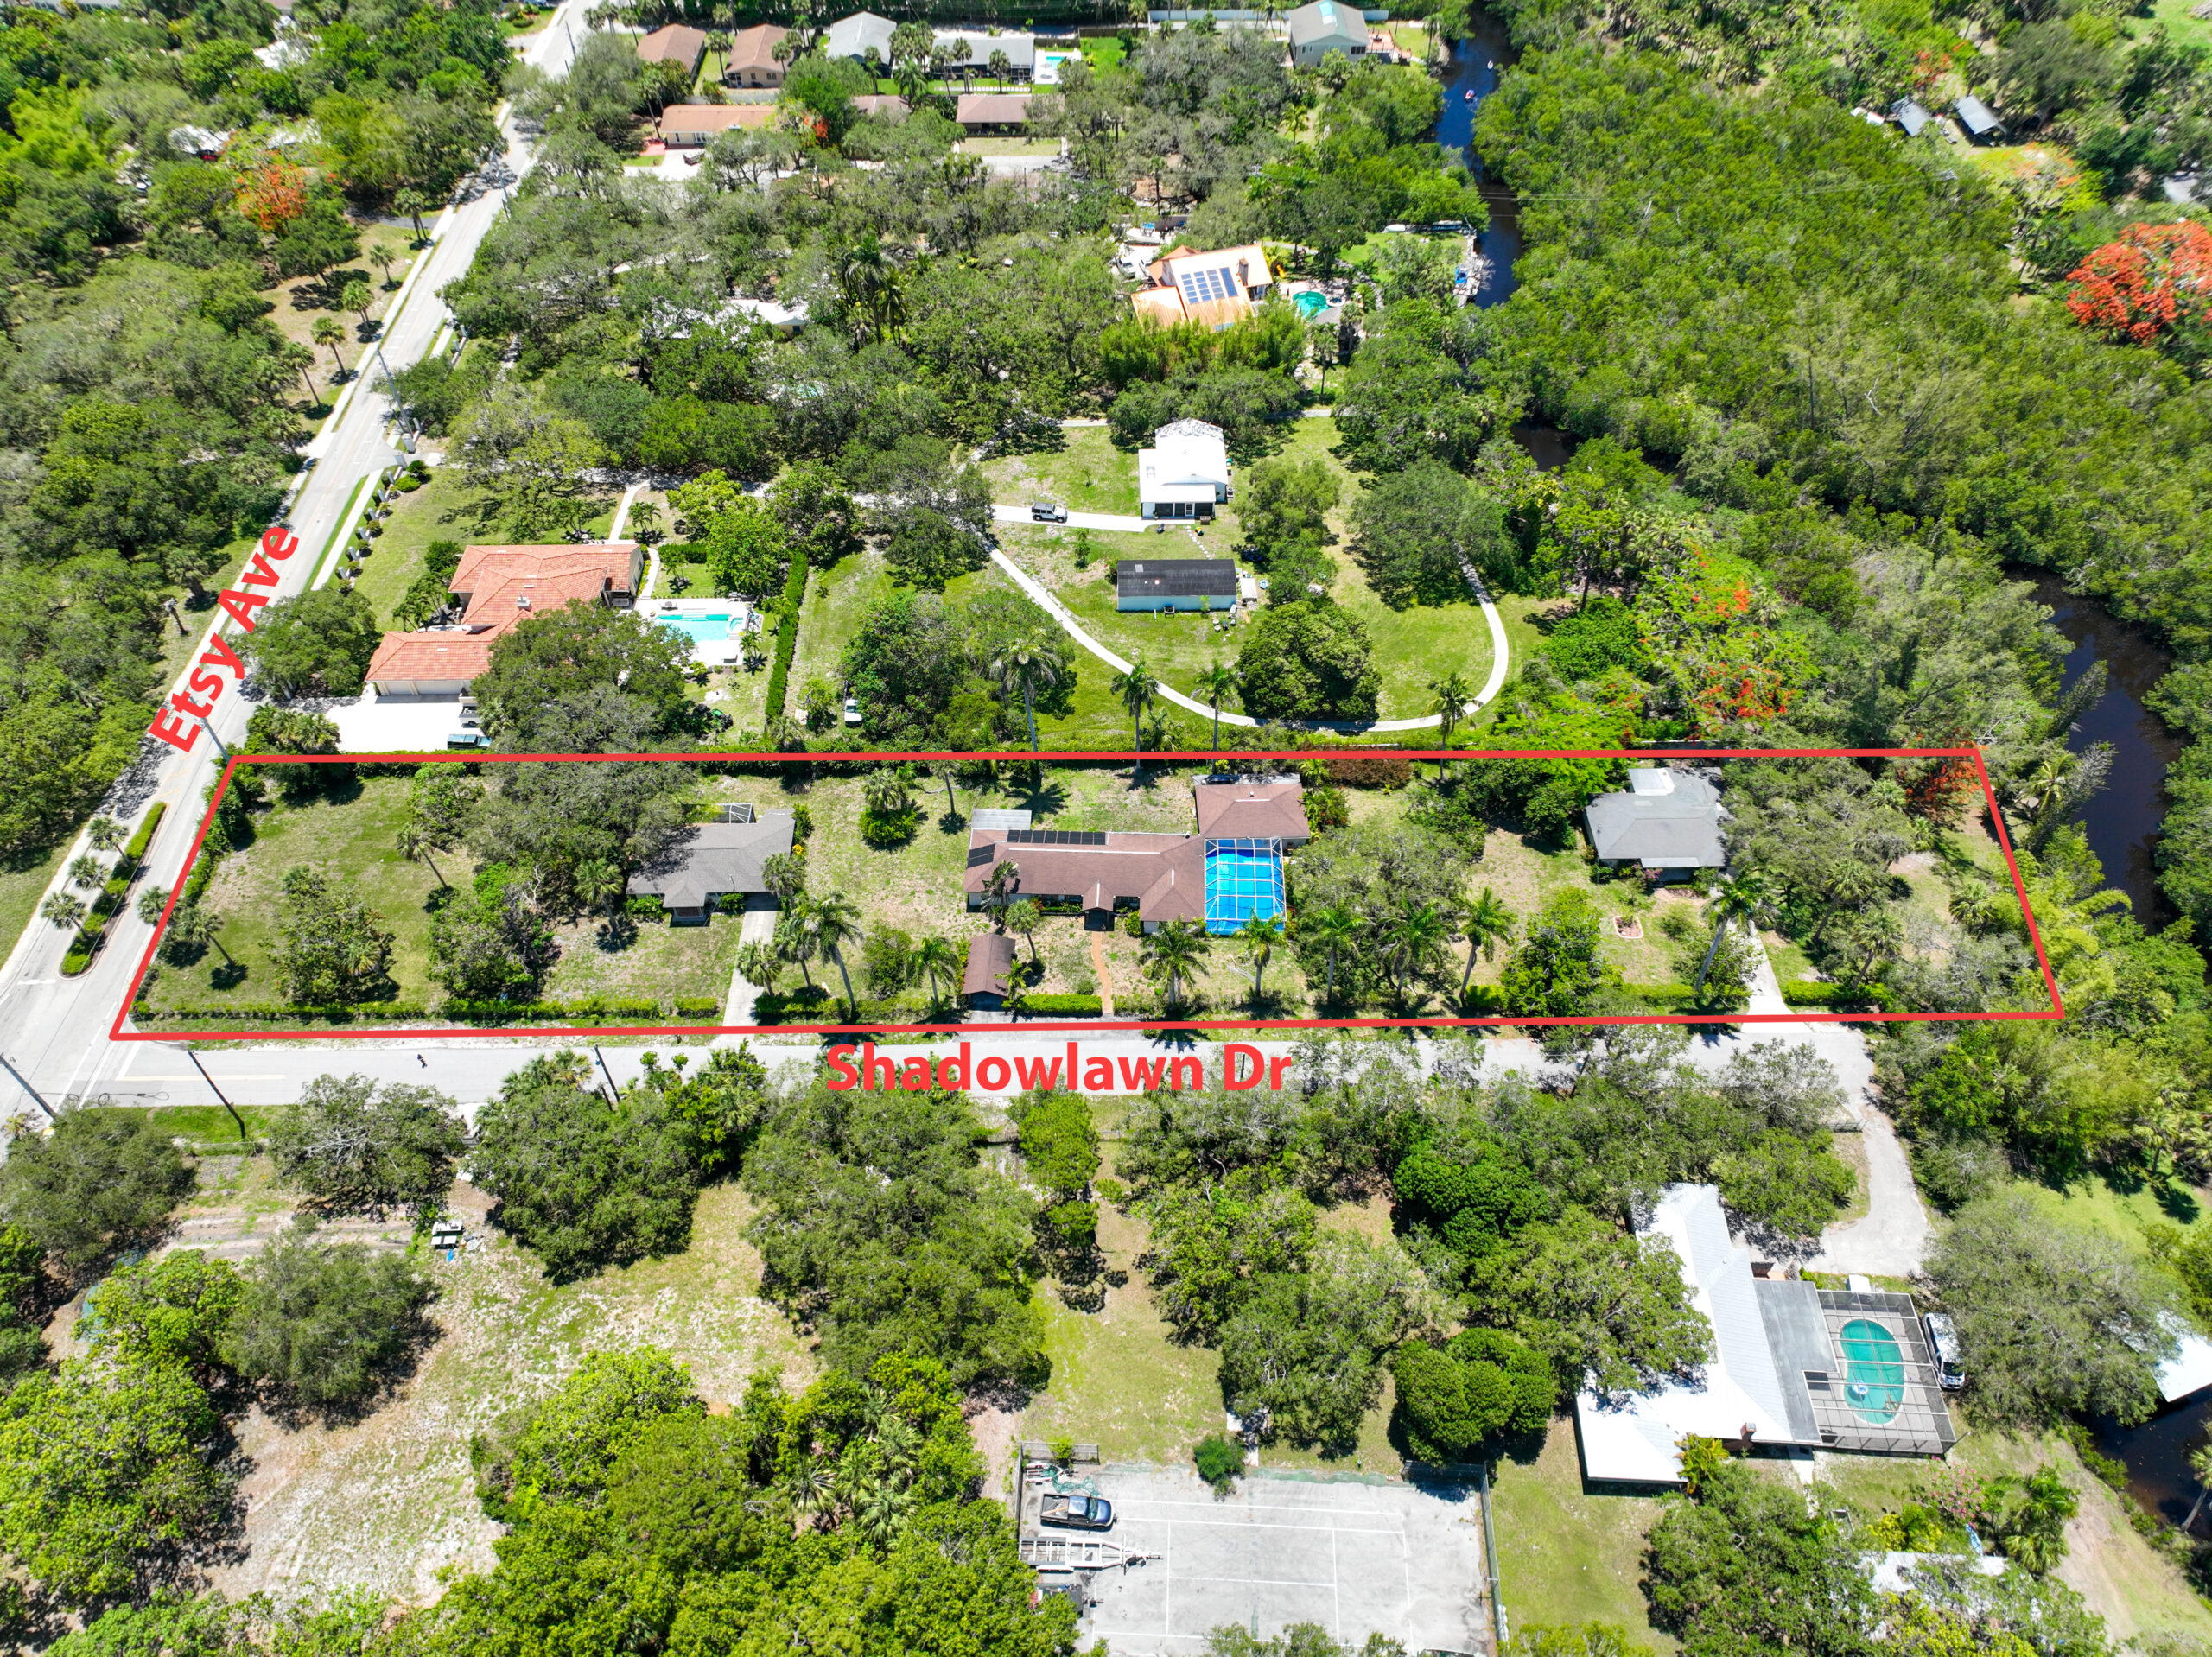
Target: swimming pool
(702,630)
(1244,878)
(1310,304)
(1873,1370)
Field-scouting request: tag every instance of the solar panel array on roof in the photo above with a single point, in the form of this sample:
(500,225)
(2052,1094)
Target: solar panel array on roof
(979,856)
(1199,286)
(1053,837)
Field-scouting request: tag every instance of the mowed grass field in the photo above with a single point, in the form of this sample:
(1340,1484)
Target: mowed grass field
(1410,647)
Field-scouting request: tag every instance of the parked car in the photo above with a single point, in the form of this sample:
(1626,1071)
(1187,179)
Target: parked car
(1950,1357)
(1047,512)
(465,740)
(1079,1513)
(852,710)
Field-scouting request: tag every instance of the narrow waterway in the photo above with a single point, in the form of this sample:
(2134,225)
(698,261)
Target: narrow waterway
(1477,62)
(2156,1456)
(2123,820)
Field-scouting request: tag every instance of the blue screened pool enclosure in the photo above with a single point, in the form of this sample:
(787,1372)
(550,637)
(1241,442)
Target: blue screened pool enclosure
(1244,878)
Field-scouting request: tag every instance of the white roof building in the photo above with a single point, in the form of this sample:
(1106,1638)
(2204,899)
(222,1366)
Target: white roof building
(1186,472)
(854,36)
(1792,1364)
(1325,27)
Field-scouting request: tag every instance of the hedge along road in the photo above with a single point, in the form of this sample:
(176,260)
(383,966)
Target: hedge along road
(55,1029)
(1500,652)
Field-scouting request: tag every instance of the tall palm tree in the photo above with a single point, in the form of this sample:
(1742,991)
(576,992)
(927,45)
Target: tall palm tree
(328,331)
(871,284)
(1452,694)
(793,942)
(1176,949)
(1216,684)
(1259,938)
(1487,922)
(1743,893)
(759,965)
(87,871)
(1029,664)
(784,875)
(597,881)
(943,770)
(151,902)
(999,888)
(885,792)
(64,910)
(1414,939)
(1025,917)
(416,843)
(193,928)
(104,834)
(833,922)
(1135,689)
(939,963)
(1333,928)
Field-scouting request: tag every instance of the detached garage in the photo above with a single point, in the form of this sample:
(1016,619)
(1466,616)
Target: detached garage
(429,664)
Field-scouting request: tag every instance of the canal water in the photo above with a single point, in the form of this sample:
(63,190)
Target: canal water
(2123,820)
(2156,1456)
(1477,62)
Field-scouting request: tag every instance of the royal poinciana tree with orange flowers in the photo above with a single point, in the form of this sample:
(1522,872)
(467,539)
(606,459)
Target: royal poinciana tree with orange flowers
(2151,286)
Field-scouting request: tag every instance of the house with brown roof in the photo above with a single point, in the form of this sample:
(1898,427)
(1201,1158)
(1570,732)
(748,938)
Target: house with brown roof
(981,112)
(694,126)
(989,978)
(678,43)
(1212,289)
(1229,870)
(493,590)
(752,58)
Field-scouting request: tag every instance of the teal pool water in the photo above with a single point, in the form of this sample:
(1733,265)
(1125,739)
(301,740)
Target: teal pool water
(1310,304)
(1873,1370)
(699,629)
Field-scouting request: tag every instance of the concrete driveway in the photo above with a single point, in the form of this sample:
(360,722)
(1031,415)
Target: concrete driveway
(1081,520)
(1357,1556)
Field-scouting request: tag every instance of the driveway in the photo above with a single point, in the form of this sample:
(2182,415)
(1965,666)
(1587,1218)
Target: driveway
(756,925)
(1358,1555)
(403,725)
(1112,521)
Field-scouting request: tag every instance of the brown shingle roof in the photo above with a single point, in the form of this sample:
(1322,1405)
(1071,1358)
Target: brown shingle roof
(753,48)
(990,965)
(702,121)
(992,108)
(1251,810)
(1163,874)
(676,43)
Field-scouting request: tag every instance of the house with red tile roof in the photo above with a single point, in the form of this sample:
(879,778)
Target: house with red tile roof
(496,589)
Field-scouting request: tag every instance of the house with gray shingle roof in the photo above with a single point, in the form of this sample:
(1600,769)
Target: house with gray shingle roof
(718,859)
(1666,821)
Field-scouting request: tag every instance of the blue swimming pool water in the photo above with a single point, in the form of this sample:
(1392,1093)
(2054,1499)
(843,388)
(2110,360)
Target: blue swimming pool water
(1310,303)
(701,629)
(1873,1370)
(1244,878)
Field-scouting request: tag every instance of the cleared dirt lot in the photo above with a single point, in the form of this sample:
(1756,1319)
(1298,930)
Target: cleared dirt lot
(1356,1555)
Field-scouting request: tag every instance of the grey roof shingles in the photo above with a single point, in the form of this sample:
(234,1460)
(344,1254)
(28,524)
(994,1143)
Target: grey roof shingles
(1677,830)
(1326,20)
(719,857)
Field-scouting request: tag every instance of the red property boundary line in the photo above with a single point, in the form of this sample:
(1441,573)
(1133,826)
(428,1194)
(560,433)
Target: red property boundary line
(2055,1010)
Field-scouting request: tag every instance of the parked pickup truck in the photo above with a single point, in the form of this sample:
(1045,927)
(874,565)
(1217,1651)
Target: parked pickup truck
(1079,1513)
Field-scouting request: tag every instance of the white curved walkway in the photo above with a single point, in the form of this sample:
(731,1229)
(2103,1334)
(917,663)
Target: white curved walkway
(1499,655)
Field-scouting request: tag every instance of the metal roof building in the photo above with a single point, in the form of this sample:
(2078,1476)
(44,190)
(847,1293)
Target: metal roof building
(855,36)
(1325,27)
(1910,116)
(1174,584)
(1664,820)
(1977,118)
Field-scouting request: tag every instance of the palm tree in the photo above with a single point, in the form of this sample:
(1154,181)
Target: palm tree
(998,889)
(328,331)
(1743,893)
(597,881)
(792,943)
(833,924)
(814,1499)
(1216,684)
(944,770)
(1452,695)
(193,928)
(1176,949)
(1001,66)
(416,842)
(759,965)
(880,1514)
(63,910)
(871,284)
(1134,690)
(104,834)
(1332,927)
(1030,663)
(784,875)
(87,871)
(939,963)
(1487,922)
(151,902)
(885,792)
(1413,938)
(414,203)
(1259,937)
(357,296)
(1025,917)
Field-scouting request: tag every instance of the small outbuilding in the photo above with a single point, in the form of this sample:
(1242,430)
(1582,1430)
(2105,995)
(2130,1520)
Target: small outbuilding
(1910,116)
(1185,472)
(1666,821)
(988,981)
(678,43)
(1325,27)
(1175,584)
(1978,118)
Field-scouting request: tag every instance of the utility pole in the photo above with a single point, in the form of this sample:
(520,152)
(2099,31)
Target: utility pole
(217,1092)
(614,1093)
(25,1085)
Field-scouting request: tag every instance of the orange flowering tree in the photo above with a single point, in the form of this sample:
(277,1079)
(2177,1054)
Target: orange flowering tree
(272,195)
(2154,284)
(1711,622)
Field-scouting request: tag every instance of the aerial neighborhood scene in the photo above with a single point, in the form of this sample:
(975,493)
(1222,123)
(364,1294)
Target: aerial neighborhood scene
(1278,831)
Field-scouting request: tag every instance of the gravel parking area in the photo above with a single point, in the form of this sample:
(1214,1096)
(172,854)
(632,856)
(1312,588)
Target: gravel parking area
(1357,1556)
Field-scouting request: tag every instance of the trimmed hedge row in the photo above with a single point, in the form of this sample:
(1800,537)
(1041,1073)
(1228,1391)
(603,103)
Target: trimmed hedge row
(591,1007)
(1805,991)
(93,932)
(282,1012)
(786,641)
(1057,1006)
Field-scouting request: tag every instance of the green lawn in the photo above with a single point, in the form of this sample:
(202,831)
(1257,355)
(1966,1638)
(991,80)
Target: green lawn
(437,512)
(836,600)
(22,884)
(1410,646)
(656,962)
(1564,1554)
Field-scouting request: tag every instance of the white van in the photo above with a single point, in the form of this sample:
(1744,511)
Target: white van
(1943,1341)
